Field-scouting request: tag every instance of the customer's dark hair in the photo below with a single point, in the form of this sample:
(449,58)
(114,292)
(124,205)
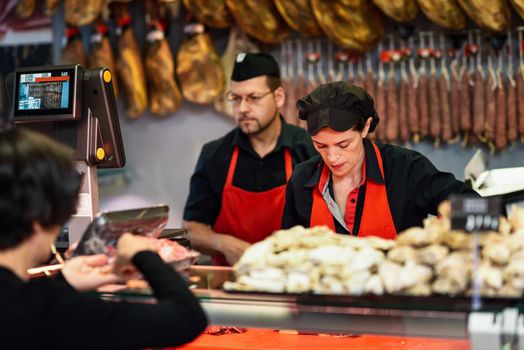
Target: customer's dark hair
(38,184)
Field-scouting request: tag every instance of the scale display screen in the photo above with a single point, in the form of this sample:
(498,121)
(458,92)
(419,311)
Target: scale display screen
(46,95)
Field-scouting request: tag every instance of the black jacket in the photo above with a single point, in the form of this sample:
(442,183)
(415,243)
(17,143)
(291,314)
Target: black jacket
(252,173)
(414,187)
(49,314)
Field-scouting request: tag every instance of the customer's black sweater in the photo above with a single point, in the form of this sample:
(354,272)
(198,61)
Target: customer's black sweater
(49,313)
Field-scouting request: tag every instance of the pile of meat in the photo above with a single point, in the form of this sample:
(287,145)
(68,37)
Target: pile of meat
(175,254)
(420,262)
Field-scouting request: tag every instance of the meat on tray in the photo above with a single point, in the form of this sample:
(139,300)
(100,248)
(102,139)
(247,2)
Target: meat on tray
(171,251)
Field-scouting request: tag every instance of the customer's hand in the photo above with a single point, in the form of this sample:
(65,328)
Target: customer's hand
(232,248)
(128,245)
(86,273)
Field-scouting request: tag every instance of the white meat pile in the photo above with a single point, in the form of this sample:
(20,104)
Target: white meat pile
(421,261)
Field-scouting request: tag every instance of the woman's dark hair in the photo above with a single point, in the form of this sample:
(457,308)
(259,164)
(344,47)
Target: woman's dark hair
(360,124)
(38,183)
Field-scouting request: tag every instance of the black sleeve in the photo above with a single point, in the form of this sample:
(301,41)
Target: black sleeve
(203,204)
(303,150)
(290,217)
(88,322)
(311,151)
(433,186)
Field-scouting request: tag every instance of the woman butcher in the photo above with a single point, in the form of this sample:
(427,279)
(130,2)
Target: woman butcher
(355,186)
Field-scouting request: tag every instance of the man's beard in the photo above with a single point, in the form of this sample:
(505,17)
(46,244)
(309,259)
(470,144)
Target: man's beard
(254,127)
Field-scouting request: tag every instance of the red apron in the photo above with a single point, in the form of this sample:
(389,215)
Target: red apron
(376,217)
(250,216)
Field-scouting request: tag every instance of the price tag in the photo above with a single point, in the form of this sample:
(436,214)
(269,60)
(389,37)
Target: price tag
(474,214)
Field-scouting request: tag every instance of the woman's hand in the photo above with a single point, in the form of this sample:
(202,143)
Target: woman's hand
(86,273)
(128,245)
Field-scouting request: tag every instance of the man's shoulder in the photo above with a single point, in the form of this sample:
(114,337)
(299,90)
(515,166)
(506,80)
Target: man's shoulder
(300,143)
(393,153)
(297,134)
(217,147)
(306,169)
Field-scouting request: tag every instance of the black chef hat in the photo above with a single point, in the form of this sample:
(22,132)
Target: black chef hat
(250,65)
(338,105)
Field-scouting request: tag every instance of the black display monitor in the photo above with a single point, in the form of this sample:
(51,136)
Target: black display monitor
(72,105)
(48,94)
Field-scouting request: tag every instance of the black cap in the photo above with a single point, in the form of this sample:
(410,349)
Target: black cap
(338,105)
(250,65)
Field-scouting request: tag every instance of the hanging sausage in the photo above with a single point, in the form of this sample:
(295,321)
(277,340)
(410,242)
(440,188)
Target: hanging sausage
(491,103)
(380,100)
(423,90)
(370,84)
(403,99)
(511,95)
(300,82)
(360,79)
(331,76)
(412,95)
(435,118)
(479,112)
(501,132)
(520,87)
(465,97)
(454,92)
(289,112)
(444,95)
(312,59)
(392,107)
(371,87)
(321,78)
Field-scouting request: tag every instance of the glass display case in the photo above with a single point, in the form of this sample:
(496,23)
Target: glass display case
(490,324)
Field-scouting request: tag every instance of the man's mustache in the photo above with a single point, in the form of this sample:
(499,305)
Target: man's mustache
(246,118)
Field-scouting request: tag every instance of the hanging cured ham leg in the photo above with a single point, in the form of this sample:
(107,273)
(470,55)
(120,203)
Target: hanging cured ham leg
(165,97)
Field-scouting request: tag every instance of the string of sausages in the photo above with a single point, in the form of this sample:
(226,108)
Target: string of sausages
(473,92)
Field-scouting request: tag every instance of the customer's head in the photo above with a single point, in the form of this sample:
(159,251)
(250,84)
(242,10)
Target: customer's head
(339,115)
(256,91)
(38,187)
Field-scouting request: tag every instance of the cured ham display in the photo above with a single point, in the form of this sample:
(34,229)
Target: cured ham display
(199,69)
(129,65)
